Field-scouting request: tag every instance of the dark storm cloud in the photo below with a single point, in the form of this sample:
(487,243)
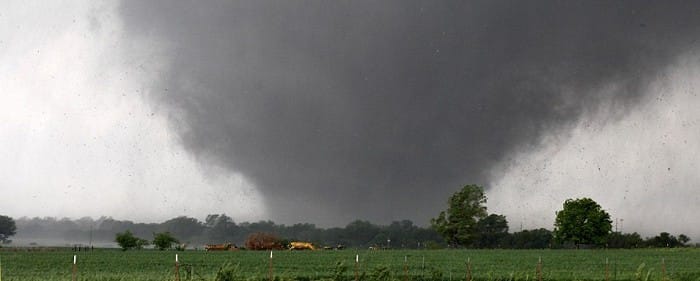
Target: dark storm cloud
(380,109)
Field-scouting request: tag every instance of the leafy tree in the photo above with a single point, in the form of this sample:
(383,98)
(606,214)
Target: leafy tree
(263,226)
(7,229)
(362,232)
(529,239)
(142,243)
(491,231)
(164,240)
(302,232)
(183,227)
(220,228)
(127,240)
(666,240)
(624,240)
(402,234)
(582,221)
(458,225)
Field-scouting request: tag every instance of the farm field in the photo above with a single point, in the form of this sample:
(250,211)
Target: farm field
(433,265)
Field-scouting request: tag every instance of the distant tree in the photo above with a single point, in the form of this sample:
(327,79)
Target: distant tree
(666,240)
(126,240)
(624,240)
(185,228)
(336,236)
(529,239)
(7,229)
(220,228)
(582,221)
(263,241)
(142,243)
(164,240)
(683,239)
(363,233)
(302,232)
(491,231)
(263,226)
(382,240)
(458,224)
(403,234)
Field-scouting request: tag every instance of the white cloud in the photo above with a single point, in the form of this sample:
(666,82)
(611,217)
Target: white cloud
(642,168)
(77,137)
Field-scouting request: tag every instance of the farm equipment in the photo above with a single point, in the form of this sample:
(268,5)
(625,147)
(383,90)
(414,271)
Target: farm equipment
(301,246)
(221,247)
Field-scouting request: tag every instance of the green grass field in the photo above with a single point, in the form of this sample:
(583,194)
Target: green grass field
(486,265)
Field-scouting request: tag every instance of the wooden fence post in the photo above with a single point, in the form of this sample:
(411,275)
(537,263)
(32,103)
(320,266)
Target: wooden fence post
(177,269)
(357,265)
(469,269)
(663,269)
(405,268)
(607,270)
(75,267)
(270,269)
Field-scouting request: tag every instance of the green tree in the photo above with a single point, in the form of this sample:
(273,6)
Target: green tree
(582,221)
(402,234)
(361,233)
(142,243)
(164,240)
(185,228)
(529,239)
(220,228)
(7,229)
(683,239)
(491,231)
(666,240)
(127,240)
(625,240)
(458,224)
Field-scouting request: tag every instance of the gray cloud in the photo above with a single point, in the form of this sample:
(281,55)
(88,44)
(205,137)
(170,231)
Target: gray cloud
(380,110)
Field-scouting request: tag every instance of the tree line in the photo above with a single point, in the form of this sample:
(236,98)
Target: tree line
(220,228)
(465,223)
(581,223)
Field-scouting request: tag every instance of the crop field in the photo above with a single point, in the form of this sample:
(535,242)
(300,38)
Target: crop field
(399,265)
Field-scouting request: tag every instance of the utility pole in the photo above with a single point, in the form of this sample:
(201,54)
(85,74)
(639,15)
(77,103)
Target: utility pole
(621,221)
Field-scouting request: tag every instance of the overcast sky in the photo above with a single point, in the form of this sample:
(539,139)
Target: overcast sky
(325,112)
